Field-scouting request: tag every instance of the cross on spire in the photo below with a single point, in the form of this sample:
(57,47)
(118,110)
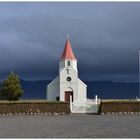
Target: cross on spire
(67,36)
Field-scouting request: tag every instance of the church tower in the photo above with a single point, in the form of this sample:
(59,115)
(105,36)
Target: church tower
(67,83)
(68,73)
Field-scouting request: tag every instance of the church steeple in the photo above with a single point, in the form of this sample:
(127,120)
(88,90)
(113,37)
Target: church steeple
(68,52)
(68,59)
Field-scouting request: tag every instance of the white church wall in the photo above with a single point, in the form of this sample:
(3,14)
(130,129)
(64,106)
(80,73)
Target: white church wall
(65,84)
(64,64)
(74,64)
(72,73)
(53,90)
(82,91)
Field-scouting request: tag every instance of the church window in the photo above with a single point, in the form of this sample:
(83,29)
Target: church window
(68,63)
(68,79)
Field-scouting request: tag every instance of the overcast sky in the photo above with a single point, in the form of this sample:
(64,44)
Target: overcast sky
(105,38)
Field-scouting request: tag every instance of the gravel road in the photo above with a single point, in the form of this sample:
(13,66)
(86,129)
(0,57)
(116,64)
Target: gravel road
(70,126)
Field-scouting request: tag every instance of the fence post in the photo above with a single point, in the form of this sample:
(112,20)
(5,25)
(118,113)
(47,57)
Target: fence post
(96,99)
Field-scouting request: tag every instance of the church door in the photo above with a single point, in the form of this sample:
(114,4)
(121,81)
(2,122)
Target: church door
(67,96)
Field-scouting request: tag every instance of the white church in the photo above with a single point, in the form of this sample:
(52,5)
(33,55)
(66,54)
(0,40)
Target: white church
(67,84)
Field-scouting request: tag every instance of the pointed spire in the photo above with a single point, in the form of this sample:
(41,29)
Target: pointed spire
(68,52)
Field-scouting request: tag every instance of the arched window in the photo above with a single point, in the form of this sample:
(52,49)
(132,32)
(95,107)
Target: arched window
(68,63)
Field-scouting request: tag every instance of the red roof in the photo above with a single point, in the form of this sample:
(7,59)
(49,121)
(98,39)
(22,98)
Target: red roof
(68,52)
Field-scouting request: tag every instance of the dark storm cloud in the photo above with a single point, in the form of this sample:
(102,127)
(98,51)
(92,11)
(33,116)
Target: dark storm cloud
(105,38)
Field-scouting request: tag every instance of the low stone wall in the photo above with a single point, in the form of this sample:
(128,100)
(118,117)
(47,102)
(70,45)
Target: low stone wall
(34,107)
(119,107)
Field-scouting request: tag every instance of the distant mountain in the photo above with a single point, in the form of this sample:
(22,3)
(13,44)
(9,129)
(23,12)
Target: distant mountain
(104,89)
(34,89)
(112,90)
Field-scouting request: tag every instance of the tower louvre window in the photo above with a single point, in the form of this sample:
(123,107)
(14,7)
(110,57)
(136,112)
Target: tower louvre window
(68,63)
